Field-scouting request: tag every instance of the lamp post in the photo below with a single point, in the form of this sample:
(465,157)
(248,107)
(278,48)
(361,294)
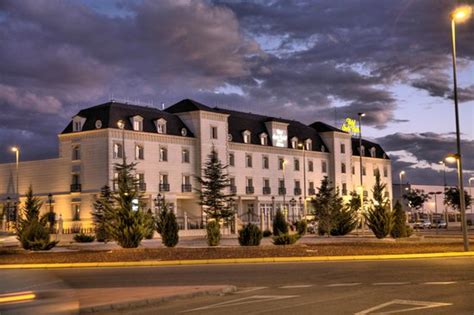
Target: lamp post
(304,176)
(121,126)
(361,167)
(293,204)
(457,158)
(302,215)
(284,189)
(444,172)
(16,149)
(401,177)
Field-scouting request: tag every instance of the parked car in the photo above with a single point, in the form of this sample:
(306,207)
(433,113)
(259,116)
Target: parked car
(440,224)
(422,224)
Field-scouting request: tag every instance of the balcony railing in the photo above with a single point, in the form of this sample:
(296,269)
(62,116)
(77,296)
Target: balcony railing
(76,187)
(233,189)
(266,190)
(186,188)
(281,190)
(164,187)
(249,190)
(141,186)
(311,191)
(297,191)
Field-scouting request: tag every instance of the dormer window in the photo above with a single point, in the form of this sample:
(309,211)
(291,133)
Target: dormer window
(246,135)
(294,142)
(308,145)
(160,125)
(77,123)
(323,148)
(372,152)
(137,123)
(362,150)
(263,139)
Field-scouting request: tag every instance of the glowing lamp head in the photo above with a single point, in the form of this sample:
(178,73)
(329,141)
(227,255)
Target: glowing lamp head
(461,14)
(451,158)
(402,173)
(15,149)
(120,124)
(361,114)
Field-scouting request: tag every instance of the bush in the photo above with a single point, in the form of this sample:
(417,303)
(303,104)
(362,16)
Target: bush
(409,231)
(35,236)
(399,228)
(286,239)
(279,224)
(301,227)
(267,233)
(345,222)
(149,225)
(250,235)
(84,238)
(213,233)
(169,230)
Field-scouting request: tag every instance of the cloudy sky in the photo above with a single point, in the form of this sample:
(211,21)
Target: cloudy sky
(305,60)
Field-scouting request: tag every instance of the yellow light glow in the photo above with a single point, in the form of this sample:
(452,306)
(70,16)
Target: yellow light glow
(402,173)
(17,297)
(451,158)
(120,124)
(461,14)
(15,149)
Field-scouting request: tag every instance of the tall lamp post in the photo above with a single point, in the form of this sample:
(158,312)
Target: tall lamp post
(301,145)
(17,170)
(459,15)
(361,167)
(401,181)
(284,189)
(444,173)
(121,126)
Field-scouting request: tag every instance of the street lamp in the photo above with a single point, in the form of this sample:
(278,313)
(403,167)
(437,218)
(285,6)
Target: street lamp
(17,156)
(444,172)
(450,158)
(301,145)
(360,161)
(284,188)
(121,125)
(401,176)
(293,204)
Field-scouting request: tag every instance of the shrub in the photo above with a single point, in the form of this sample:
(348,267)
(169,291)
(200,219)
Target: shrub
(409,231)
(250,235)
(279,224)
(267,233)
(170,229)
(149,225)
(35,236)
(379,217)
(84,238)
(213,233)
(345,222)
(286,239)
(301,227)
(399,228)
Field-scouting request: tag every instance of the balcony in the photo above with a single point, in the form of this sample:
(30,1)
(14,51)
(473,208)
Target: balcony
(141,186)
(266,190)
(164,187)
(76,187)
(281,190)
(249,190)
(311,191)
(233,189)
(297,191)
(186,188)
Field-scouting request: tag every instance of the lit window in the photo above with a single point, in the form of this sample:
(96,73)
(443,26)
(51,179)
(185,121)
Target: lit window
(163,154)
(139,152)
(76,212)
(185,156)
(213,132)
(118,151)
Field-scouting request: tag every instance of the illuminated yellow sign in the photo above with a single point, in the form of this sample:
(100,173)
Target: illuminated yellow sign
(350,126)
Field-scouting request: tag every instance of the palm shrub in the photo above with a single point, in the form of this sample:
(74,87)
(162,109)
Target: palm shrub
(32,231)
(98,214)
(213,233)
(250,235)
(301,227)
(125,222)
(279,224)
(379,217)
(399,222)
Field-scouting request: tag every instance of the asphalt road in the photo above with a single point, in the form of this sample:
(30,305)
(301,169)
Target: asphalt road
(434,286)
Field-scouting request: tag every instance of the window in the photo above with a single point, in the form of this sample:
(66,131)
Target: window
(344,189)
(363,171)
(163,154)
(161,125)
(263,139)
(311,185)
(324,167)
(309,145)
(323,148)
(118,151)
(76,212)
(372,152)
(140,178)
(281,163)
(246,136)
(310,166)
(163,179)
(385,171)
(76,179)
(297,184)
(213,132)
(248,160)
(294,143)
(77,126)
(376,171)
(231,159)
(137,122)
(296,163)
(343,168)
(362,149)
(343,148)
(281,183)
(76,153)
(265,162)
(115,181)
(186,183)
(139,152)
(186,180)
(353,170)
(266,182)
(232,181)
(249,182)
(185,156)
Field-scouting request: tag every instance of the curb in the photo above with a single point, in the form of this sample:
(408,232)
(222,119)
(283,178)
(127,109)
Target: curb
(158,263)
(155,301)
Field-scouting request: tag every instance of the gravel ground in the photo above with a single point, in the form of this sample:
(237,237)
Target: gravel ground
(15,256)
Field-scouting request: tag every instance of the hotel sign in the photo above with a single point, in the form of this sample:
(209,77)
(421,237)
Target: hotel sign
(350,126)
(280,138)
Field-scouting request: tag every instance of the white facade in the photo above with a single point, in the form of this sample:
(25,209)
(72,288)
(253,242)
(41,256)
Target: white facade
(169,162)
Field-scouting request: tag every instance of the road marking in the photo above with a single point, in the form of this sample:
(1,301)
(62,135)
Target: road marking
(440,282)
(352,284)
(390,283)
(296,286)
(418,305)
(245,300)
(250,289)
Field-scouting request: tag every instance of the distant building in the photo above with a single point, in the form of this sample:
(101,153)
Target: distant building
(170,147)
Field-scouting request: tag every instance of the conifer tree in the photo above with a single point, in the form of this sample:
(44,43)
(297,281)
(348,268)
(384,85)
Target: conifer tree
(167,226)
(104,201)
(280,226)
(379,217)
(399,222)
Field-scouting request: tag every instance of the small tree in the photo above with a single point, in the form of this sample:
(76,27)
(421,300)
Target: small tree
(416,198)
(125,220)
(379,217)
(322,205)
(250,235)
(452,198)
(399,222)
(280,226)
(149,225)
(104,201)
(213,233)
(32,231)
(167,226)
